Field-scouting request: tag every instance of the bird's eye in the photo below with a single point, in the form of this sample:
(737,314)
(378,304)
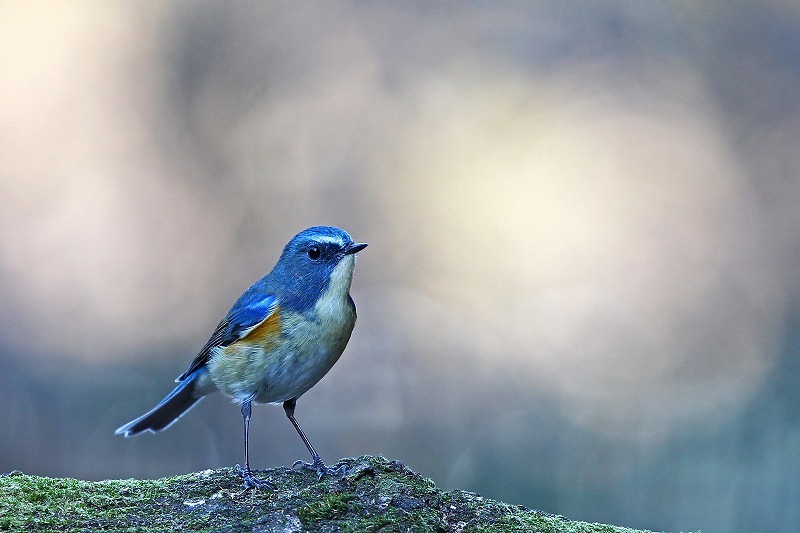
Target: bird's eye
(314,252)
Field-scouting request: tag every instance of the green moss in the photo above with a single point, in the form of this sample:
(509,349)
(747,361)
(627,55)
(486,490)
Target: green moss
(375,495)
(329,507)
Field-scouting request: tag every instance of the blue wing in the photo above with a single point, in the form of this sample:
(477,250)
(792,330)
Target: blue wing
(252,308)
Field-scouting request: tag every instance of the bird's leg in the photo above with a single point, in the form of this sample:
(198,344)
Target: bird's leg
(317,465)
(249,480)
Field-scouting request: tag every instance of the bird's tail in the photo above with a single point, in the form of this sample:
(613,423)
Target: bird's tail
(188,392)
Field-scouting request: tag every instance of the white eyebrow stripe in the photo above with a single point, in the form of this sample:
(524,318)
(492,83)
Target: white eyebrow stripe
(331,239)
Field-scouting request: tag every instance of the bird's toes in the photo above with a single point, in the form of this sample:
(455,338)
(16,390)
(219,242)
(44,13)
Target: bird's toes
(252,482)
(320,468)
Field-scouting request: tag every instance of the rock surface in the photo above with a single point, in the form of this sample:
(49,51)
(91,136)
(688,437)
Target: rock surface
(374,494)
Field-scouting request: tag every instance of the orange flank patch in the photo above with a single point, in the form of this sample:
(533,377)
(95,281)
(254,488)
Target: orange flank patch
(267,332)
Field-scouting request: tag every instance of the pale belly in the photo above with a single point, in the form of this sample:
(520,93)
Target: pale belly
(305,352)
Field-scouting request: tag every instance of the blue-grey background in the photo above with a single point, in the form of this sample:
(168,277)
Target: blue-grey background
(581,292)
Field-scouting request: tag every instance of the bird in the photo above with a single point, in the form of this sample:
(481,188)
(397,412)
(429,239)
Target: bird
(278,340)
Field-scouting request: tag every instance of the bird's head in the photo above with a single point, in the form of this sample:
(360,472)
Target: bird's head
(316,260)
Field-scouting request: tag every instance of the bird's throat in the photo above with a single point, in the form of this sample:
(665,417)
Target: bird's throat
(335,294)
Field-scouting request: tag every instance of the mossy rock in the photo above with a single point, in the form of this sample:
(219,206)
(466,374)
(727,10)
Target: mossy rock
(374,494)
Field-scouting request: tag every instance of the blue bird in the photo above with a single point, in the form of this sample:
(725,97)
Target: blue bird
(278,340)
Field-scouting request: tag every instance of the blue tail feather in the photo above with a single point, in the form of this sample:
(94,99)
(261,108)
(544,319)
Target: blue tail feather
(168,410)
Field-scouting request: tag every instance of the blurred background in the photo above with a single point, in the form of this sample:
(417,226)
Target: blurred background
(581,292)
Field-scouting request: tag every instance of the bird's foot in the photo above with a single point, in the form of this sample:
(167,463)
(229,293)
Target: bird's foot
(319,467)
(250,481)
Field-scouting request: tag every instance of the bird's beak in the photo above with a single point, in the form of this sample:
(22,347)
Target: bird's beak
(355,247)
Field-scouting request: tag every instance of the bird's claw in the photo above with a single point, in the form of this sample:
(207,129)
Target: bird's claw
(319,467)
(250,481)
